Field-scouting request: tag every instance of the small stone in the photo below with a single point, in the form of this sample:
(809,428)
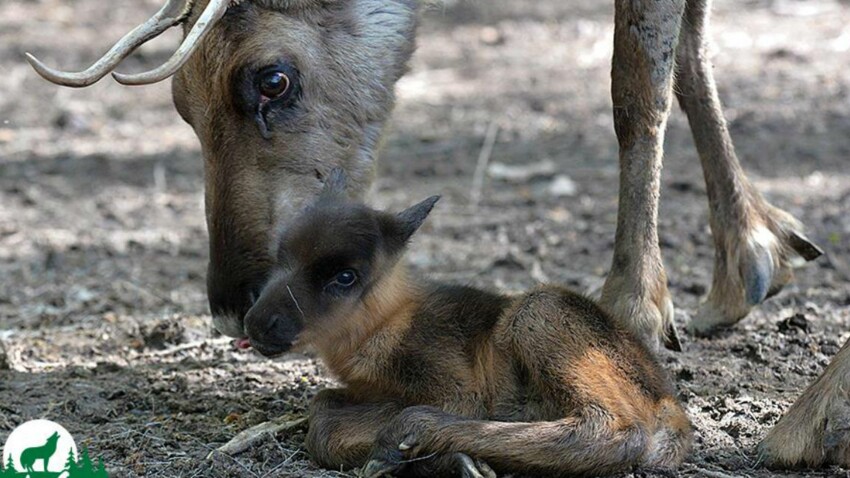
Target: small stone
(520,173)
(163,334)
(563,186)
(794,323)
(491,36)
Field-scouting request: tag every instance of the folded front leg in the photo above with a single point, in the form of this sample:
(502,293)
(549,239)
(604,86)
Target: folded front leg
(343,430)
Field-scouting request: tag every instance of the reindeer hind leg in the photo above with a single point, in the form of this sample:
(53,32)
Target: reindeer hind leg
(756,244)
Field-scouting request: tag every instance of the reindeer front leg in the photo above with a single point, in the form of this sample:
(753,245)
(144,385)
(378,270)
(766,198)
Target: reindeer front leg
(755,242)
(342,431)
(645,39)
(816,430)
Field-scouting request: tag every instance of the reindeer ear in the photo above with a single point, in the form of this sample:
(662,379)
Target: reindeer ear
(335,183)
(412,218)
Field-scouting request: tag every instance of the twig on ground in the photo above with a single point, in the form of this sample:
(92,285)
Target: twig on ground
(248,438)
(188,346)
(483,161)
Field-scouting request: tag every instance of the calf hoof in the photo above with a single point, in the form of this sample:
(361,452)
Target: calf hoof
(751,267)
(472,468)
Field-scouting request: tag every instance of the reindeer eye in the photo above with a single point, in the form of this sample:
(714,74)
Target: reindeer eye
(341,282)
(346,278)
(274,84)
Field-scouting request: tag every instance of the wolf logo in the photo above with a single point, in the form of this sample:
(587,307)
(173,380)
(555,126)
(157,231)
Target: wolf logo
(43,453)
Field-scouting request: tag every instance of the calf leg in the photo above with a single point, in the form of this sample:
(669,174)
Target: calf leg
(581,445)
(342,431)
(754,241)
(816,430)
(645,38)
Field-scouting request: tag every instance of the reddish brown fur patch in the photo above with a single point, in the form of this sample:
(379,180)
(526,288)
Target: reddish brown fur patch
(599,380)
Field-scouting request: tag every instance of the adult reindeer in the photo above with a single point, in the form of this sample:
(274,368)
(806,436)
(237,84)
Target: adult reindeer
(279,92)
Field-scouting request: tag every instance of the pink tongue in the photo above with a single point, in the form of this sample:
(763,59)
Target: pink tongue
(243,343)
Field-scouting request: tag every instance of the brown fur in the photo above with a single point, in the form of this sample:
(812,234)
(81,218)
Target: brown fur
(816,430)
(544,382)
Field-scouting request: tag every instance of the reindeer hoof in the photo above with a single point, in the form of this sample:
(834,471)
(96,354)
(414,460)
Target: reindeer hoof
(816,429)
(652,322)
(471,468)
(754,267)
(805,445)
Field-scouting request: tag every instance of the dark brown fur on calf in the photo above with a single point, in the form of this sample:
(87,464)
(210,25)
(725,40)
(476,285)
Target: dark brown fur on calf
(442,379)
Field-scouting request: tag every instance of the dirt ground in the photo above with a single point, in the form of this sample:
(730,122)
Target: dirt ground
(103,312)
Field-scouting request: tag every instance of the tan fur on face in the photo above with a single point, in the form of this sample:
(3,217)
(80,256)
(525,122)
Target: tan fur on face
(356,345)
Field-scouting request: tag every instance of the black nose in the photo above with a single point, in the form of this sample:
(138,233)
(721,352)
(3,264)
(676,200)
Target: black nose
(271,334)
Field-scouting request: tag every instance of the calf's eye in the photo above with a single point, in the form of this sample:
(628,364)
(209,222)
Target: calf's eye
(342,282)
(346,278)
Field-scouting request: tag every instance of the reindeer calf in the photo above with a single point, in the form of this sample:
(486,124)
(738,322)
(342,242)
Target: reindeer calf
(442,379)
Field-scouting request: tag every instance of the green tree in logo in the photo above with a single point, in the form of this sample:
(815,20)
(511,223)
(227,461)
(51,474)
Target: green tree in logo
(101,470)
(70,463)
(9,470)
(85,469)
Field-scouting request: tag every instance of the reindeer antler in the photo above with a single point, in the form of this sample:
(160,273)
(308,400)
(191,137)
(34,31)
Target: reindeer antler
(173,13)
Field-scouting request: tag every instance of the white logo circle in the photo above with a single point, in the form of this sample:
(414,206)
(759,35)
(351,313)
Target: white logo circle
(39,445)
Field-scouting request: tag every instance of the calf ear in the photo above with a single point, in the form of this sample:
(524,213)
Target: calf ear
(335,183)
(411,218)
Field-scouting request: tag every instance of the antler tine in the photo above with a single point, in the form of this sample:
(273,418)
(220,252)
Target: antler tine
(171,14)
(212,14)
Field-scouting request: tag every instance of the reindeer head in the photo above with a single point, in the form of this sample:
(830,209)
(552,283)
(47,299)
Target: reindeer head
(279,92)
(328,261)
